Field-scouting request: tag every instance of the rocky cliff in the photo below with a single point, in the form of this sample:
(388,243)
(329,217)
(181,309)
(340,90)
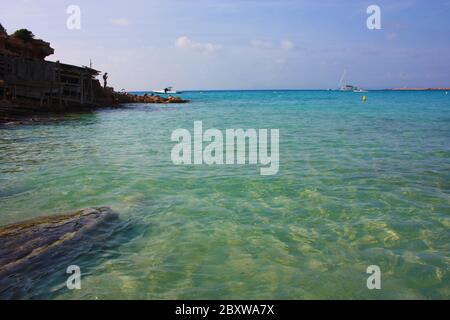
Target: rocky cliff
(13,46)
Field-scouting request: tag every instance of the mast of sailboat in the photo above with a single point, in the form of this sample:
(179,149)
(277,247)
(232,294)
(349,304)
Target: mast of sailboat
(343,78)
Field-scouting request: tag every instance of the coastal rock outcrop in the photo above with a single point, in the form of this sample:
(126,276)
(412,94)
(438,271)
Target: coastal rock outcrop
(23,243)
(32,87)
(32,49)
(131,98)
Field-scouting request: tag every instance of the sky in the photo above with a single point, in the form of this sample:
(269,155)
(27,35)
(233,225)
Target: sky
(246,44)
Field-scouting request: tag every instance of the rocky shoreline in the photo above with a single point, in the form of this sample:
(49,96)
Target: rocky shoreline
(33,89)
(132,98)
(419,89)
(26,112)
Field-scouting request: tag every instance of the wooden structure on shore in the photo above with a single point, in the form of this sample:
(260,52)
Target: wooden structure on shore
(49,83)
(31,86)
(25,75)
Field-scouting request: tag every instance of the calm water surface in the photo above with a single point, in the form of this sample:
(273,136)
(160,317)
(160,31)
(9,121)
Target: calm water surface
(359,184)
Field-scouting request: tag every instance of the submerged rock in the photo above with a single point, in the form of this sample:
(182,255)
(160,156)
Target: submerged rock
(24,243)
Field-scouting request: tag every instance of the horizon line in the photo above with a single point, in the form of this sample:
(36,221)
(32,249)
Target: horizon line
(337,90)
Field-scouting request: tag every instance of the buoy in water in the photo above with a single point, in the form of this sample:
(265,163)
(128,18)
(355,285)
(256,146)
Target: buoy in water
(364,98)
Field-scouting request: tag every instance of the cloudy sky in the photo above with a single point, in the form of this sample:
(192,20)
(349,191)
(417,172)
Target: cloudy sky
(246,44)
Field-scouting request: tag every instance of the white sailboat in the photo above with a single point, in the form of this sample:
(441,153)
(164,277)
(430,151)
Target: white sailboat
(343,86)
(168,90)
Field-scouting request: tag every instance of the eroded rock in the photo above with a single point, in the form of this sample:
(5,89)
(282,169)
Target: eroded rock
(23,243)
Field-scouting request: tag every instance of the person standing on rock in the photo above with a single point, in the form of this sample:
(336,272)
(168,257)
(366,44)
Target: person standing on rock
(105,79)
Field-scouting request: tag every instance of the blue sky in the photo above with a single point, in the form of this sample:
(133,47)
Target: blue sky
(246,44)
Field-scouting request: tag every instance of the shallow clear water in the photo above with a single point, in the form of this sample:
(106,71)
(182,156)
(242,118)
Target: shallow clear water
(359,184)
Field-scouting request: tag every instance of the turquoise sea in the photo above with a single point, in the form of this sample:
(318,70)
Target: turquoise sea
(359,184)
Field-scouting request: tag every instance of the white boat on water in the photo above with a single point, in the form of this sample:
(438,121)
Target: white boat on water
(347,87)
(168,90)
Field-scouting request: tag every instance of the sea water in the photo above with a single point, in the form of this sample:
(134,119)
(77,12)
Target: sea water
(359,184)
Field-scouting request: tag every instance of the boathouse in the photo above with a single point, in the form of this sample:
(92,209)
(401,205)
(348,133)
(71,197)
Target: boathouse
(25,75)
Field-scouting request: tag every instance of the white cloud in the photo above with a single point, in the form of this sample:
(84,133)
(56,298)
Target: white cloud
(261,44)
(186,43)
(120,22)
(280,61)
(287,44)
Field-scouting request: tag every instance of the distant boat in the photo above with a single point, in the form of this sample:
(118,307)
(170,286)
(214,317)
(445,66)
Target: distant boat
(347,87)
(168,90)
(350,88)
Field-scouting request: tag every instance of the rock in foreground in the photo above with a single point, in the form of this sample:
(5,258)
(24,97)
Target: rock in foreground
(22,243)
